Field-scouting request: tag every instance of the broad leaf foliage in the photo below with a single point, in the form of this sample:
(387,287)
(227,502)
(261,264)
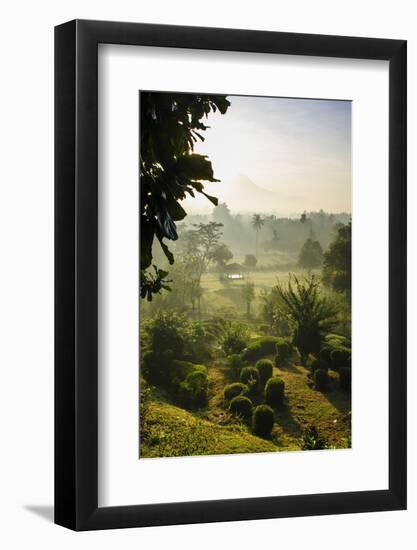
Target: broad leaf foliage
(169,169)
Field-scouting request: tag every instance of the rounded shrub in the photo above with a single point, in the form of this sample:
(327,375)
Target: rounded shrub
(325,354)
(263,420)
(274,392)
(318,363)
(321,380)
(250,377)
(153,366)
(193,390)
(283,350)
(241,406)
(277,361)
(235,363)
(259,348)
(233,390)
(345,378)
(340,358)
(264,368)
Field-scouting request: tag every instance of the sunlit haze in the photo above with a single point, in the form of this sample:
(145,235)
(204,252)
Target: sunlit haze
(279,155)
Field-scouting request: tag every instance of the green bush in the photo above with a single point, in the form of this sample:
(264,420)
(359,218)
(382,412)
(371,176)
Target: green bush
(179,370)
(241,406)
(260,348)
(250,376)
(277,361)
(263,420)
(163,332)
(274,392)
(321,380)
(325,353)
(265,368)
(233,390)
(345,378)
(318,363)
(193,390)
(155,367)
(283,350)
(144,402)
(198,341)
(234,338)
(340,358)
(311,440)
(235,363)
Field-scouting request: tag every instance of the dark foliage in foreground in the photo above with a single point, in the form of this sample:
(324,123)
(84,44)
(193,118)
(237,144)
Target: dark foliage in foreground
(311,440)
(234,390)
(265,368)
(169,169)
(321,380)
(250,376)
(274,392)
(345,378)
(311,313)
(241,406)
(263,420)
(259,348)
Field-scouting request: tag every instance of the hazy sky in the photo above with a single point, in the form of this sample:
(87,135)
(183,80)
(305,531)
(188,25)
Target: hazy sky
(298,148)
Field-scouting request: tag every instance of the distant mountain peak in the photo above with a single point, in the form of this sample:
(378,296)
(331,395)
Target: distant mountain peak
(241,194)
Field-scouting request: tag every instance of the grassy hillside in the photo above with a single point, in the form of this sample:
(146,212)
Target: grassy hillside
(176,432)
(172,431)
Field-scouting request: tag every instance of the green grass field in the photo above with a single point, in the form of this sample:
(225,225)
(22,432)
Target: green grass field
(223,295)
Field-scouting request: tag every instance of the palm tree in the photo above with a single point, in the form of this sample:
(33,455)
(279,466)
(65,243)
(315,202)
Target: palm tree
(312,313)
(257,223)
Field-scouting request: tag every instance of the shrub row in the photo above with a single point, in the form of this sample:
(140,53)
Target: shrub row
(264,368)
(260,347)
(274,392)
(187,380)
(234,390)
(262,416)
(250,377)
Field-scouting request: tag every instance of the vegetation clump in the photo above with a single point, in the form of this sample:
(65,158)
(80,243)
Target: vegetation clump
(260,347)
(274,392)
(318,363)
(282,350)
(193,390)
(250,376)
(263,420)
(234,338)
(337,266)
(241,406)
(234,390)
(264,368)
(340,358)
(321,380)
(311,440)
(311,313)
(345,378)
(311,254)
(235,363)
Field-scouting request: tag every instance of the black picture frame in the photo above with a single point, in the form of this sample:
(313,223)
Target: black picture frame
(76,271)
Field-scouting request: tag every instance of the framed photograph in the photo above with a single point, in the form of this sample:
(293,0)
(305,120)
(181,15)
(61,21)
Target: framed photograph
(230,252)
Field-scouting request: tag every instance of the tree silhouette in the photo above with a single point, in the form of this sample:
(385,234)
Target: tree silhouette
(248,295)
(170,125)
(312,314)
(199,245)
(337,266)
(257,223)
(311,254)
